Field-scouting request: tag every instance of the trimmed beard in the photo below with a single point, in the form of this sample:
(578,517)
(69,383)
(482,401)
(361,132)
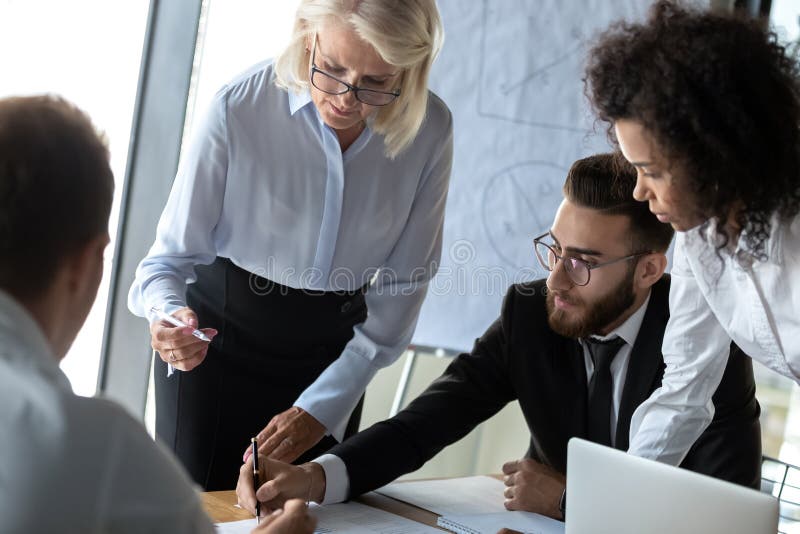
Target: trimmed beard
(600,314)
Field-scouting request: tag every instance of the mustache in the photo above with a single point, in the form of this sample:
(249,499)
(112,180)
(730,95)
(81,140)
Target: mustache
(552,294)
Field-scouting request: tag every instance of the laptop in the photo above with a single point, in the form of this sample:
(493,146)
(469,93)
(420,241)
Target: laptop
(610,491)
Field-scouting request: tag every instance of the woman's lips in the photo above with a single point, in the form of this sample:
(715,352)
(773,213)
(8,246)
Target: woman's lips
(340,112)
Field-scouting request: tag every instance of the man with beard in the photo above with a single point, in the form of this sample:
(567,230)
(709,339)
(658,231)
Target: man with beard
(578,351)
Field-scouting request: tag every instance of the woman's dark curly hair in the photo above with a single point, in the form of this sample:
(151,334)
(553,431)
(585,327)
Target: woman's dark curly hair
(721,99)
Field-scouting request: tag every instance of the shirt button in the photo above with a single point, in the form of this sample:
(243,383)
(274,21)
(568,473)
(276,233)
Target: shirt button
(346,306)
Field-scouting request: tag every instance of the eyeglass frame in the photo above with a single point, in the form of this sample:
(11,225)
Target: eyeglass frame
(589,266)
(355,89)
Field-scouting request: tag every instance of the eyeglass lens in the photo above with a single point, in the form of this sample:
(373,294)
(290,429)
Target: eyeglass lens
(324,82)
(576,269)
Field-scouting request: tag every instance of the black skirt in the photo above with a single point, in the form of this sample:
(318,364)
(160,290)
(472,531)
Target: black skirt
(273,342)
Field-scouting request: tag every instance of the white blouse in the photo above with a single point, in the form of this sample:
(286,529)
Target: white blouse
(715,299)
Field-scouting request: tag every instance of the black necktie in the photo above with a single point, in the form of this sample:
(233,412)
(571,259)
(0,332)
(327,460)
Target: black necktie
(599,400)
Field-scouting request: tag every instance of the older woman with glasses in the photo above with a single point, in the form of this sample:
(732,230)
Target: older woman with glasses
(313,192)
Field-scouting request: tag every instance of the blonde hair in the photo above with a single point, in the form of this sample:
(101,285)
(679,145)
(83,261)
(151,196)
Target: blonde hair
(406,33)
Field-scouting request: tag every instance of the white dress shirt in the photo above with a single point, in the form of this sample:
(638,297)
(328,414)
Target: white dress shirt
(337,481)
(264,183)
(754,303)
(76,464)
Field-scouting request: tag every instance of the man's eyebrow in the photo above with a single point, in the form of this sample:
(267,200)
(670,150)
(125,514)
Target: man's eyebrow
(577,250)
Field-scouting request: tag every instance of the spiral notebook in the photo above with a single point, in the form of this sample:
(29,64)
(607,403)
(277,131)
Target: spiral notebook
(525,522)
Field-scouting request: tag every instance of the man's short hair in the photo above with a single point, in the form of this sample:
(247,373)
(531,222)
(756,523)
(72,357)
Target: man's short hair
(605,182)
(56,189)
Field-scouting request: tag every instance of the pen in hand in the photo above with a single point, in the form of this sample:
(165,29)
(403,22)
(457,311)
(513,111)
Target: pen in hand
(254,444)
(175,322)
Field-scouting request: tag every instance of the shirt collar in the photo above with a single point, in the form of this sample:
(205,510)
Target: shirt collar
(773,245)
(630,328)
(298,99)
(740,250)
(302,98)
(24,345)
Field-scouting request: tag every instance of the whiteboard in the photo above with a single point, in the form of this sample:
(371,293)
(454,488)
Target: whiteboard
(510,71)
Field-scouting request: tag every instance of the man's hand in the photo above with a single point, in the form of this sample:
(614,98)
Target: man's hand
(292,519)
(533,487)
(279,482)
(288,435)
(176,345)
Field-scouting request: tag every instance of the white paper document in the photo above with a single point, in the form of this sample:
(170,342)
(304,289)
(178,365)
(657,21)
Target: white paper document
(525,522)
(236,527)
(351,517)
(451,496)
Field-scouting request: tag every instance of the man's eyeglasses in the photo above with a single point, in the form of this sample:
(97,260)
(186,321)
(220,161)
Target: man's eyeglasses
(332,85)
(578,270)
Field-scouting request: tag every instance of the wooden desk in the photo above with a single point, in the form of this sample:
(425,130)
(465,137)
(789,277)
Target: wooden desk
(220,506)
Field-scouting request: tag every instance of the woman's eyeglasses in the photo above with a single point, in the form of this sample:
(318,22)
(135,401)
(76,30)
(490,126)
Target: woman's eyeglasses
(327,83)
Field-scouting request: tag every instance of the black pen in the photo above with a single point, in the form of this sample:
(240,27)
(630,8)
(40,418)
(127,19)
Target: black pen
(254,444)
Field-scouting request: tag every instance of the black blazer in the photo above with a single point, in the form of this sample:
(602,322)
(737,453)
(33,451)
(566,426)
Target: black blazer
(521,358)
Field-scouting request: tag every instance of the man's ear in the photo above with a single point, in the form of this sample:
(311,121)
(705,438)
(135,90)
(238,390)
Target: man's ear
(85,265)
(650,269)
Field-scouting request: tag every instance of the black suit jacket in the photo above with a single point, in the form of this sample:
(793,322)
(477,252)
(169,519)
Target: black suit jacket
(521,358)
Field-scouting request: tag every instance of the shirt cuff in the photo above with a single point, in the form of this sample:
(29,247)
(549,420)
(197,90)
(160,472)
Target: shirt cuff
(337,482)
(334,394)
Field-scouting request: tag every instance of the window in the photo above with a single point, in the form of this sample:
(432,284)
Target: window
(779,396)
(785,18)
(89,52)
(234,35)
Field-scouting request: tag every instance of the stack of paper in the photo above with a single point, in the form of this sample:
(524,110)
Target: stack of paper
(451,496)
(524,522)
(470,505)
(351,517)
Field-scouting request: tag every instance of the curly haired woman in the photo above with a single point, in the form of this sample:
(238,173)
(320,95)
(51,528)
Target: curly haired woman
(707,108)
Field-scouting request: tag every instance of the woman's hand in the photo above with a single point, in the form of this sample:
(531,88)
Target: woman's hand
(176,345)
(278,483)
(288,435)
(292,519)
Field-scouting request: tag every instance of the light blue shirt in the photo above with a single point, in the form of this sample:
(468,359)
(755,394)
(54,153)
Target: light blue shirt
(264,183)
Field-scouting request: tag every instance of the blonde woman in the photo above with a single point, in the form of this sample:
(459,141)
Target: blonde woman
(313,192)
